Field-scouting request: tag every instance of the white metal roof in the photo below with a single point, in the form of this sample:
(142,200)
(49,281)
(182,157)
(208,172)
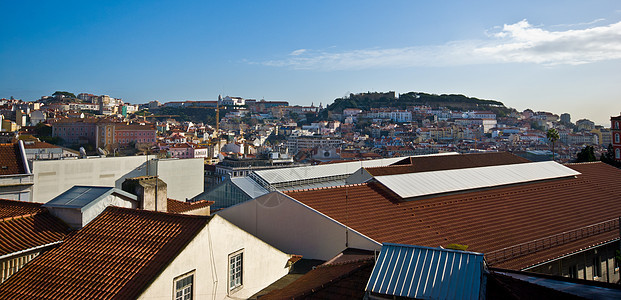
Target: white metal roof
(436,182)
(249,186)
(274,176)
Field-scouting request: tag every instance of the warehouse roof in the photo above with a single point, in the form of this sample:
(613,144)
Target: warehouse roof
(487,220)
(449,162)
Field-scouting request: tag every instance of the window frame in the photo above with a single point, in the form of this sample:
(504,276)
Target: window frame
(182,277)
(232,289)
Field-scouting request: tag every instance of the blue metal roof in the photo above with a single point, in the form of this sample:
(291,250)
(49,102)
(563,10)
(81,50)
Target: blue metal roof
(83,196)
(427,273)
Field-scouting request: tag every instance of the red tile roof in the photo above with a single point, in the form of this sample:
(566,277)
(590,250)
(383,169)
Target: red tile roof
(11,161)
(13,208)
(485,220)
(449,162)
(179,207)
(331,281)
(30,230)
(39,145)
(116,256)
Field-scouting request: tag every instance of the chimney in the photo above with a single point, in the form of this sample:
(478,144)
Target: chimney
(151,192)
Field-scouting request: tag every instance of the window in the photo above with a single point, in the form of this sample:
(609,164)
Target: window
(236,270)
(617,138)
(618,153)
(184,286)
(573,271)
(597,267)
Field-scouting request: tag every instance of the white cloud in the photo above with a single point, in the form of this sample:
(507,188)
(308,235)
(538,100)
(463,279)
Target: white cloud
(521,42)
(297,52)
(515,43)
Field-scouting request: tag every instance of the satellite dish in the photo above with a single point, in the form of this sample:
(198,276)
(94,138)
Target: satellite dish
(82,152)
(102,151)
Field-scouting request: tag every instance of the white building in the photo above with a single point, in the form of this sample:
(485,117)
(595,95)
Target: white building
(52,177)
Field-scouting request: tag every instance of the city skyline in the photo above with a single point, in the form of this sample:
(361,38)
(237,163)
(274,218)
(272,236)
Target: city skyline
(558,57)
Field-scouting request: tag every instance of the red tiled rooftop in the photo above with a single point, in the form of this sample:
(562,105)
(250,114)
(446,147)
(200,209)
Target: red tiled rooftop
(39,145)
(449,162)
(13,208)
(27,231)
(116,256)
(485,220)
(11,161)
(179,207)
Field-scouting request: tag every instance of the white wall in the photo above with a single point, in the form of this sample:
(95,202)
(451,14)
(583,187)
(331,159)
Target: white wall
(294,227)
(184,177)
(208,256)
(53,177)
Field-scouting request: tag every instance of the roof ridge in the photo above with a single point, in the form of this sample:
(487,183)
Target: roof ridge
(325,187)
(347,262)
(147,212)
(18,217)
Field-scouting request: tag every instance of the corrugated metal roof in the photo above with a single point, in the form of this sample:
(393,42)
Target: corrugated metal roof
(437,182)
(83,196)
(249,186)
(274,176)
(427,273)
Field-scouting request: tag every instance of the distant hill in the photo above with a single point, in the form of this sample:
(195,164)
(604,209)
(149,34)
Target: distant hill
(366,101)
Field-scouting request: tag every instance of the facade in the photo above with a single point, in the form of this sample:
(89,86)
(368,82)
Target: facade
(125,135)
(297,143)
(102,133)
(53,177)
(615,129)
(36,150)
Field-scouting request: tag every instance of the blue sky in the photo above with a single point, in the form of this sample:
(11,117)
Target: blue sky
(559,56)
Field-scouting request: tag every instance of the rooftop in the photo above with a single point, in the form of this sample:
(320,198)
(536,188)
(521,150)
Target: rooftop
(84,196)
(117,255)
(486,220)
(449,162)
(427,273)
(179,207)
(35,226)
(14,208)
(11,162)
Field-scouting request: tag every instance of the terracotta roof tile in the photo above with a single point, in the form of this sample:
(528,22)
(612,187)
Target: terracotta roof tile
(13,208)
(485,220)
(11,160)
(39,145)
(449,162)
(116,256)
(179,207)
(29,230)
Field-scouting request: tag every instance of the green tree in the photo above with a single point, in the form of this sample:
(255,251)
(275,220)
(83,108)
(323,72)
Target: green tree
(587,154)
(609,157)
(63,93)
(552,136)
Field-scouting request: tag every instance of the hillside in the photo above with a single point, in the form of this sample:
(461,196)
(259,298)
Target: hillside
(452,101)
